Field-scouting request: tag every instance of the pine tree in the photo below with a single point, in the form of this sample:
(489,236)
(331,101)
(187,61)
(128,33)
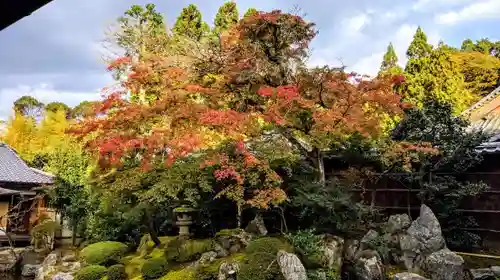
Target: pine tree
(467,45)
(190,23)
(390,62)
(226,17)
(419,46)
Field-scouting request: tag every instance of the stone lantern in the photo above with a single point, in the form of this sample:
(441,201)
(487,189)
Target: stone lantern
(184,219)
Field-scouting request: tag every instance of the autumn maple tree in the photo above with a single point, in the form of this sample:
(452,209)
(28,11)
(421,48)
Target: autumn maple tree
(215,103)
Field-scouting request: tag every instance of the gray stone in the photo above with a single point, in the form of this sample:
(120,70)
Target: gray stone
(235,249)
(30,270)
(369,237)
(444,265)
(398,223)
(423,238)
(496,270)
(482,274)
(69,257)
(369,266)
(206,258)
(221,252)
(228,271)
(408,276)
(62,276)
(291,267)
(333,249)
(257,226)
(10,258)
(50,260)
(48,266)
(351,249)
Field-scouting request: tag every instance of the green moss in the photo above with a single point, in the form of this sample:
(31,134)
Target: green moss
(133,265)
(261,255)
(211,270)
(184,250)
(153,268)
(184,274)
(93,272)
(117,272)
(229,232)
(324,274)
(103,253)
(183,210)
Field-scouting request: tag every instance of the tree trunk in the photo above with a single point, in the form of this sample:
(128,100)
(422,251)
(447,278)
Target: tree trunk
(320,164)
(151,228)
(238,216)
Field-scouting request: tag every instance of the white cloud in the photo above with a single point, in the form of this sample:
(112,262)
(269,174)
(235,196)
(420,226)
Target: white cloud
(478,10)
(355,24)
(425,5)
(44,93)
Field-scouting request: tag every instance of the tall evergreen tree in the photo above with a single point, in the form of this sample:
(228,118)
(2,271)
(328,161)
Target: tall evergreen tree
(190,23)
(390,62)
(226,16)
(419,46)
(467,45)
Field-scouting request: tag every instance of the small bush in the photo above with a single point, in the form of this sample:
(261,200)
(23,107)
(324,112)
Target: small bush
(308,247)
(93,272)
(185,250)
(153,268)
(103,253)
(261,259)
(117,272)
(184,274)
(324,274)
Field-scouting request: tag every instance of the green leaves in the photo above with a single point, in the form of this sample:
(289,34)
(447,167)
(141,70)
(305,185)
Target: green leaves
(190,24)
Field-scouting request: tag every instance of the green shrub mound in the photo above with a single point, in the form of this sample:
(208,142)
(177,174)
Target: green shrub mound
(103,253)
(117,272)
(154,268)
(93,272)
(261,255)
(185,250)
(184,274)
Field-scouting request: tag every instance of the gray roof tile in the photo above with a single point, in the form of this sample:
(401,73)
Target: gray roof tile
(14,169)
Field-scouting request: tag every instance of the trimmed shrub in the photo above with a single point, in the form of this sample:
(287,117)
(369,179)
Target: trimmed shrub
(184,274)
(153,268)
(93,272)
(117,272)
(261,259)
(103,253)
(185,250)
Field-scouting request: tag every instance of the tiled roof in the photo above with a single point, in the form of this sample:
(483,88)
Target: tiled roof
(485,118)
(13,169)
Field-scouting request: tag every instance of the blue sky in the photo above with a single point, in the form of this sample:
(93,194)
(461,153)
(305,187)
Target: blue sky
(56,53)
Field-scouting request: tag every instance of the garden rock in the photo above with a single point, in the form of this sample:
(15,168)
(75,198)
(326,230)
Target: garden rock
(369,266)
(30,270)
(495,270)
(423,238)
(62,276)
(10,258)
(291,267)
(482,274)
(69,257)
(369,237)
(333,249)
(228,271)
(221,252)
(408,276)
(444,265)
(398,223)
(351,248)
(206,258)
(257,226)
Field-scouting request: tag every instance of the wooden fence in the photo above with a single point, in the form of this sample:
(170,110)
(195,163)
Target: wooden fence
(394,194)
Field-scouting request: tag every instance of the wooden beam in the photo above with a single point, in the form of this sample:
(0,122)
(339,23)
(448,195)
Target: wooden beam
(12,11)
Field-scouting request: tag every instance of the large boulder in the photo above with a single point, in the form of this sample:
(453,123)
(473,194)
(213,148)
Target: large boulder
(398,223)
(291,267)
(351,248)
(257,226)
(369,266)
(482,274)
(62,276)
(423,238)
(408,276)
(444,265)
(10,258)
(333,249)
